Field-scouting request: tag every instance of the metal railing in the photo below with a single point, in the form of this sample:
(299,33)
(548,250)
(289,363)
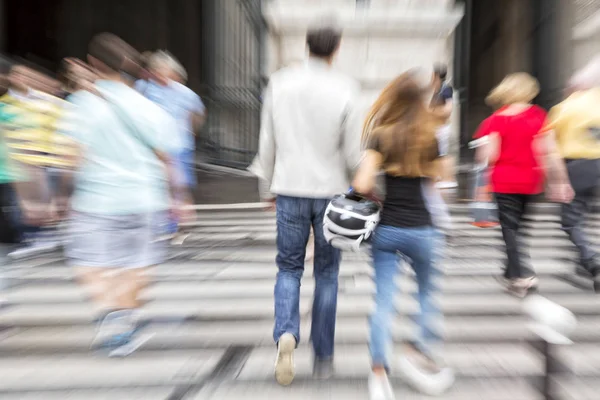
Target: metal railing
(233,67)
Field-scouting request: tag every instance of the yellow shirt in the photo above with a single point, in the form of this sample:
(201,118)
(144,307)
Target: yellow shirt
(576,123)
(33,130)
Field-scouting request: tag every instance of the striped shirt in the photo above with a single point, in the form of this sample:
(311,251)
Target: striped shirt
(33,130)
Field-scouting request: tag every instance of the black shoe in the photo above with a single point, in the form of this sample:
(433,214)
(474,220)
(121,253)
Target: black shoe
(323,369)
(590,269)
(597,284)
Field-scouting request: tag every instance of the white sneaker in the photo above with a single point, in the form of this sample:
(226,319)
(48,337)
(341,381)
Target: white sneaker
(113,324)
(284,365)
(424,374)
(380,388)
(131,346)
(33,249)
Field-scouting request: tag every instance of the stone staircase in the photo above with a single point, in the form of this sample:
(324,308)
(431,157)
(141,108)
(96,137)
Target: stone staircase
(209,319)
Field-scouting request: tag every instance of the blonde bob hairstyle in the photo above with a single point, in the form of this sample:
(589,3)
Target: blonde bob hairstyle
(519,87)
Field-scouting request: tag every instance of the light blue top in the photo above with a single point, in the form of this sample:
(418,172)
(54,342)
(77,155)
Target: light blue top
(119,173)
(179,101)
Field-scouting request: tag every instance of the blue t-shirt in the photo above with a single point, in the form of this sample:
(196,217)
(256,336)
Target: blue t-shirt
(179,101)
(119,173)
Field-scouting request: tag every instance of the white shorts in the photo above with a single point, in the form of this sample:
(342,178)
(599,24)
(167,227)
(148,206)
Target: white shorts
(116,241)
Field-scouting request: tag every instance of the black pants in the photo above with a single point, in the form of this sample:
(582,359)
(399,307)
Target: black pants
(511,208)
(584,176)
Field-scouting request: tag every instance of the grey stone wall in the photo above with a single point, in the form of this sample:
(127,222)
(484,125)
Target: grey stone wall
(584,9)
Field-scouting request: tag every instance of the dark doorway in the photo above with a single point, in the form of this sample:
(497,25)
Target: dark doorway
(496,38)
(47,31)
(218,42)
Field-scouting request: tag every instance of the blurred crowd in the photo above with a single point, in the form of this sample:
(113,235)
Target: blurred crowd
(98,158)
(398,171)
(105,151)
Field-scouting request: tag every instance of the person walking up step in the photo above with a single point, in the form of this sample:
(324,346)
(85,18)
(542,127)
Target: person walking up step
(400,135)
(306,152)
(576,125)
(121,192)
(518,151)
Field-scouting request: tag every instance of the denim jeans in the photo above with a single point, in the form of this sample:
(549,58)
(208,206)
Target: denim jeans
(295,216)
(584,176)
(418,246)
(185,161)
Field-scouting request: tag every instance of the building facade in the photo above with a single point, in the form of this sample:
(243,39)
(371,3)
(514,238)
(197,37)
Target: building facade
(481,40)
(218,41)
(382,38)
(230,47)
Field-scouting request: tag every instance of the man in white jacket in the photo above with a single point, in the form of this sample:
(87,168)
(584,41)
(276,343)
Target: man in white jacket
(307,151)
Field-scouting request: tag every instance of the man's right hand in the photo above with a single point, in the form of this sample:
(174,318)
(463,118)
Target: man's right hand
(272,204)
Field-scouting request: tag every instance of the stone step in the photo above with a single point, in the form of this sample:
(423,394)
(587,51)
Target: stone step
(69,292)
(269,216)
(133,393)
(356,389)
(265,254)
(459,208)
(256,269)
(190,335)
(93,371)
(460,240)
(60,314)
(464,389)
(585,388)
(468,360)
(462,223)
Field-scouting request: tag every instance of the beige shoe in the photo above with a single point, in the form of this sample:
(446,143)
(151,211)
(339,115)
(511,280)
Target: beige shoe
(520,287)
(284,365)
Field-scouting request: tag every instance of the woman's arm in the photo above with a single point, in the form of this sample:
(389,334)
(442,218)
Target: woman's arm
(550,158)
(554,166)
(366,176)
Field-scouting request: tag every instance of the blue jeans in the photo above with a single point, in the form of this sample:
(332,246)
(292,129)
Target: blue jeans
(295,216)
(390,244)
(185,161)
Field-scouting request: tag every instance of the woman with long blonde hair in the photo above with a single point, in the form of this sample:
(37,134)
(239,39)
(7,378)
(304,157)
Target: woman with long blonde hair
(518,152)
(400,139)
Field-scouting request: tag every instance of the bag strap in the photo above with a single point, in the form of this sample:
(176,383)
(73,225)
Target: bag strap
(125,119)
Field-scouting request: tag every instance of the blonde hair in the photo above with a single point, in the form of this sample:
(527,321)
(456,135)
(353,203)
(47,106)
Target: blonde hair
(167,60)
(519,87)
(402,129)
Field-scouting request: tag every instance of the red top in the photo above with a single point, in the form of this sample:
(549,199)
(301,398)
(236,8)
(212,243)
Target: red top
(484,127)
(517,169)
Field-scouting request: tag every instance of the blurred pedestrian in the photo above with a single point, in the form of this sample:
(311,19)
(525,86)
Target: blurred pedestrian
(164,88)
(575,123)
(400,135)
(306,152)
(442,106)
(121,194)
(436,192)
(10,223)
(76,75)
(517,155)
(30,116)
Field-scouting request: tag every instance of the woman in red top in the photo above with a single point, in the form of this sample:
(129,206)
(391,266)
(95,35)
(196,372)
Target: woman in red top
(515,152)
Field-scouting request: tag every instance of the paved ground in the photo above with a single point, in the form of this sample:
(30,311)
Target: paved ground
(209,314)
